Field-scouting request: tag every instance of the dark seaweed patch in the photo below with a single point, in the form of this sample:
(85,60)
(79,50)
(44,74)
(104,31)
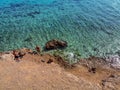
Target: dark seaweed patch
(19,15)
(13,5)
(32,14)
(28,39)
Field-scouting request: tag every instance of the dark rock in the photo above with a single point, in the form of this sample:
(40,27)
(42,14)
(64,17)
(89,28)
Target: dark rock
(55,44)
(93,70)
(21,54)
(49,61)
(33,53)
(112,76)
(37,48)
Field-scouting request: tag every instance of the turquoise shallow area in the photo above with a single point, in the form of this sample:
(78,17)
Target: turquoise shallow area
(91,27)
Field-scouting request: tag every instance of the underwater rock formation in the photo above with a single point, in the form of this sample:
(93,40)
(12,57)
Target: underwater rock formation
(55,44)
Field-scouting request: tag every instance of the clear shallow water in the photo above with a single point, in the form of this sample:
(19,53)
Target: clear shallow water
(91,27)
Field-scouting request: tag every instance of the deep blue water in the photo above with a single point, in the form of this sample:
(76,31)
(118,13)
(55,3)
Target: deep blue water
(91,27)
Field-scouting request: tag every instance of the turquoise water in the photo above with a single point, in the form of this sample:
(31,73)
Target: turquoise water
(91,27)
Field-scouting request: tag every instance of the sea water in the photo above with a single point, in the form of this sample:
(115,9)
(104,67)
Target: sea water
(91,27)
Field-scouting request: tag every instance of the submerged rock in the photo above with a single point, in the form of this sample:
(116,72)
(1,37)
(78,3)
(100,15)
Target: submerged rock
(55,44)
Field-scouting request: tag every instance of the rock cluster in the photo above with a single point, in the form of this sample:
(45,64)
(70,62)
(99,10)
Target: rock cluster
(55,44)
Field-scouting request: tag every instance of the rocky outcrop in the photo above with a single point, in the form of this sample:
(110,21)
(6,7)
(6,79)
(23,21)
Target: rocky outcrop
(111,83)
(113,61)
(55,44)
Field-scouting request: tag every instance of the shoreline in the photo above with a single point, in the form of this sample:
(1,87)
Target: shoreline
(93,70)
(111,60)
